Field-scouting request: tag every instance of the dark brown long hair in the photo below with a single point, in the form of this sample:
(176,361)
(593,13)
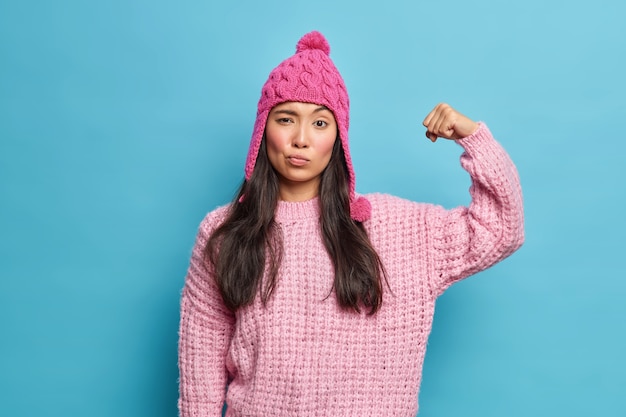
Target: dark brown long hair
(246,249)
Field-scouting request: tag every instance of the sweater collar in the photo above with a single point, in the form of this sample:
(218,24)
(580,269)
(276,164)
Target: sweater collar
(297,210)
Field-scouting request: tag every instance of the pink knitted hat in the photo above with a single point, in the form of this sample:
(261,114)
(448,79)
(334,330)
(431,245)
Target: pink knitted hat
(309,76)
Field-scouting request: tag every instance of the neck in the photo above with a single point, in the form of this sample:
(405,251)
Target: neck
(296,193)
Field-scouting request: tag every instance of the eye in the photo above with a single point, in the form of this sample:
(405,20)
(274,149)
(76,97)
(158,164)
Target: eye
(320,123)
(284,120)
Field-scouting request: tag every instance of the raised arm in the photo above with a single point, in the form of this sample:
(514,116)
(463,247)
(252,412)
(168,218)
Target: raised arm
(206,328)
(470,239)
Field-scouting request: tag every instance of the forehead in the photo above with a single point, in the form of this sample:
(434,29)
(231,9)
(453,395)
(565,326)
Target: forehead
(300,107)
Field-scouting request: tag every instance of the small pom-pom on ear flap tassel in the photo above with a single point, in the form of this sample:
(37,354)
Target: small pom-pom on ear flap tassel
(313,40)
(360,209)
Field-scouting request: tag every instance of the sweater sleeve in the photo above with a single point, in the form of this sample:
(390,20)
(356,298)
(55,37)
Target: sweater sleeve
(206,328)
(470,239)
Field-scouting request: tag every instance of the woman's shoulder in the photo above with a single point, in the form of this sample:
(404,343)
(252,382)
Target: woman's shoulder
(386,206)
(384,201)
(213,219)
(396,215)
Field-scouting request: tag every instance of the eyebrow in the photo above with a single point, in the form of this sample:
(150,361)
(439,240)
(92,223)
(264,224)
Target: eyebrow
(295,113)
(321,108)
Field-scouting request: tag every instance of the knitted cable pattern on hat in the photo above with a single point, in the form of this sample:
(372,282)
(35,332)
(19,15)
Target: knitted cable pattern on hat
(309,76)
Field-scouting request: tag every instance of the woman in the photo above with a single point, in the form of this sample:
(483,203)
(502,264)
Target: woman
(304,298)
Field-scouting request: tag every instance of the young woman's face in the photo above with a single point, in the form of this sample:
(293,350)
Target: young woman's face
(300,139)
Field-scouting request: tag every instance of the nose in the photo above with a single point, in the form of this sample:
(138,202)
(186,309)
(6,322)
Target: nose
(300,139)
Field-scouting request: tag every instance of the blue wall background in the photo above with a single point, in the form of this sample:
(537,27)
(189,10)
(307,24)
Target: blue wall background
(123,122)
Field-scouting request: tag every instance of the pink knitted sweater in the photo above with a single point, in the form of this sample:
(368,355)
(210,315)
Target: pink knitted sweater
(302,355)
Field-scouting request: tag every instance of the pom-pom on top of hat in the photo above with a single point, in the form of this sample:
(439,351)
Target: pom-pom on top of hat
(313,40)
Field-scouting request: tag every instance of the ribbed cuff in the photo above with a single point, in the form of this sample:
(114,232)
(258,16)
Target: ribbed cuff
(478,142)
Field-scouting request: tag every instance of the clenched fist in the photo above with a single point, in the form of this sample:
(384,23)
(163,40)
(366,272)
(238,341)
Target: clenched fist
(445,122)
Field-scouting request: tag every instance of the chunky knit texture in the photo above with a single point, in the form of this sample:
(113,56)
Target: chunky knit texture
(309,76)
(302,355)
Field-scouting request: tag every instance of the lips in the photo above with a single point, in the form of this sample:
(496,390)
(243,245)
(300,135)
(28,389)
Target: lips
(297,160)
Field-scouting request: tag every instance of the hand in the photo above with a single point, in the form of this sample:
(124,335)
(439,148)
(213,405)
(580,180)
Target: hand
(445,122)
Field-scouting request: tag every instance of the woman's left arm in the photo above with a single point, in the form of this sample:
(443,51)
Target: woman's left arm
(467,240)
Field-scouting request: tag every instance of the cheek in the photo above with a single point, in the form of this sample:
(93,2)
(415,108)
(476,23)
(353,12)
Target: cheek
(271,139)
(325,146)
(274,143)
